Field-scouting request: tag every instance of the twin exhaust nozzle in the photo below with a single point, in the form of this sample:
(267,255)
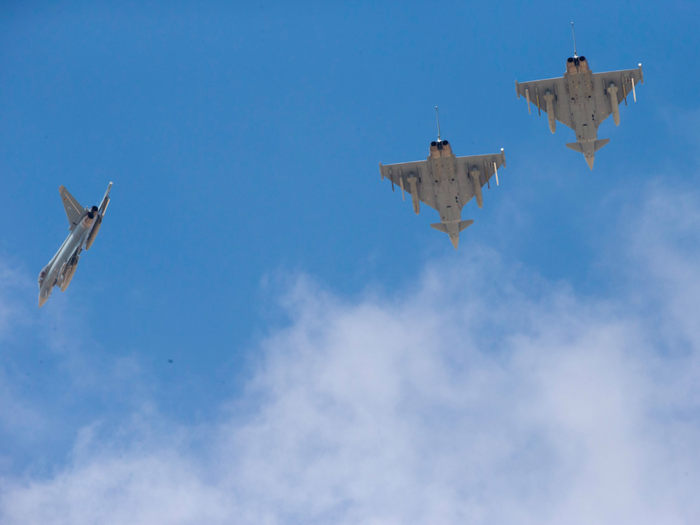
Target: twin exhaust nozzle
(577,63)
(440,148)
(92,212)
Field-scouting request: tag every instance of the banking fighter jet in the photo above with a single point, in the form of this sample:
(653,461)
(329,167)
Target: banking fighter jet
(84,225)
(582,100)
(445,182)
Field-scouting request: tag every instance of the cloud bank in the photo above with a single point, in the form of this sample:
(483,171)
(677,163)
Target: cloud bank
(486,395)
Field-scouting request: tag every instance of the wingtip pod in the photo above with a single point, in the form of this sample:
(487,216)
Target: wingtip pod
(641,73)
(381,172)
(503,157)
(517,89)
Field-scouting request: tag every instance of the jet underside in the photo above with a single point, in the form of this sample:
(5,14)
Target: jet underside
(446,183)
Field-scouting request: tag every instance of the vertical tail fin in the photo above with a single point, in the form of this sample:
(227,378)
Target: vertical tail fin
(73,208)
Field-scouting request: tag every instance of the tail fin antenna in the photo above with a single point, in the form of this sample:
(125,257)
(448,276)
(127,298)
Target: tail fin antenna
(438,122)
(105,201)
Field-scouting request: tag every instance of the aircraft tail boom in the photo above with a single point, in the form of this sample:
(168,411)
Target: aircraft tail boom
(452,229)
(588,149)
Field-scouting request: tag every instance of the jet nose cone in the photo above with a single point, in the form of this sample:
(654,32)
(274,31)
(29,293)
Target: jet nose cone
(455,240)
(590,161)
(42,300)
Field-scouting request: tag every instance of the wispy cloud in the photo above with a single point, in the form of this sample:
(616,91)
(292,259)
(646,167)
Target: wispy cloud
(484,395)
(48,360)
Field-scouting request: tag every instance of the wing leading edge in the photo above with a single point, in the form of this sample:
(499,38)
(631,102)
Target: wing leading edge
(486,166)
(537,93)
(408,175)
(624,80)
(475,167)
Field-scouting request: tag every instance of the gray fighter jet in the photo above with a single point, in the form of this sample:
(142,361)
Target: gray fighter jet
(84,225)
(582,100)
(445,182)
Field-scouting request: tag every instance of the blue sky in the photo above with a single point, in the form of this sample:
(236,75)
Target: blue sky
(243,141)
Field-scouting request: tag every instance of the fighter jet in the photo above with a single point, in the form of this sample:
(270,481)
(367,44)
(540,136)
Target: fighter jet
(84,225)
(582,100)
(445,182)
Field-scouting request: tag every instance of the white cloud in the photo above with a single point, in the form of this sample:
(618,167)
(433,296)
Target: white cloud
(485,395)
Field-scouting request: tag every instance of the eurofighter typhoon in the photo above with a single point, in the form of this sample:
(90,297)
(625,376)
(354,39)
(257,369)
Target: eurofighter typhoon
(84,225)
(445,182)
(582,100)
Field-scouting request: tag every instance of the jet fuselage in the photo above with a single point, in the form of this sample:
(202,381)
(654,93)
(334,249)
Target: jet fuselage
(84,224)
(66,258)
(444,182)
(442,169)
(580,88)
(581,100)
